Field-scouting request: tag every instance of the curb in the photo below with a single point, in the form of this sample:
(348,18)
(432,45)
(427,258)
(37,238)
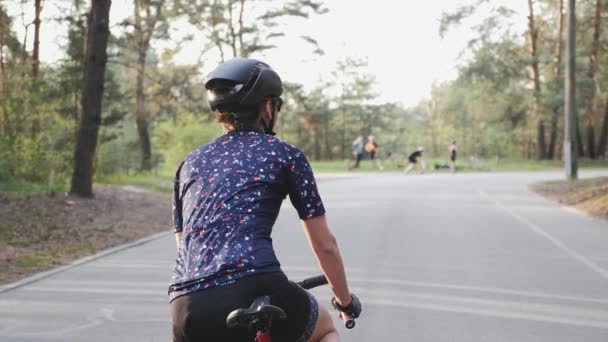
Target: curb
(81,261)
(582,213)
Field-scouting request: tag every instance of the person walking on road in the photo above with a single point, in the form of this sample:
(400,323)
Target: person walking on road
(372,147)
(227,196)
(453,150)
(415,158)
(358,151)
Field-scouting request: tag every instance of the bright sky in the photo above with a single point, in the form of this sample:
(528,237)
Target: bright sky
(399,39)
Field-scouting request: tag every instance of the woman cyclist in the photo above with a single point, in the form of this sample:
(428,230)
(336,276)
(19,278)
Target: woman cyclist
(227,196)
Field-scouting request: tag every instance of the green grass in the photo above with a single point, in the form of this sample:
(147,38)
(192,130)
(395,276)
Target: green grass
(29,187)
(565,185)
(19,243)
(82,249)
(7,232)
(462,165)
(157,183)
(35,261)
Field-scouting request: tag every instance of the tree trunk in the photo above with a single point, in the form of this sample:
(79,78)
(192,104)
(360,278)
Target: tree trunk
(232,31)
(95,67)
(36,64)
(24,52)
(553,134)
(591,93)
(36,51)
(591,142)
(214,33)
(326,129)
(144,29)
(317,143)
(557,81)
(241,31)
(601,150)
(141,118)
(579,137)
(4,130)
(343,137)
(541,140)
(533,48)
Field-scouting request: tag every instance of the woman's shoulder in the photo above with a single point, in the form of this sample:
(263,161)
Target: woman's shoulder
(282,145)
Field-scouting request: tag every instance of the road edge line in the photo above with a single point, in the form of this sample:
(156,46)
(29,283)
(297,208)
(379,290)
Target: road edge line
(555,241)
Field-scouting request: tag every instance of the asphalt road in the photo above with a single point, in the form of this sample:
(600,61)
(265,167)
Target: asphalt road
(470,257)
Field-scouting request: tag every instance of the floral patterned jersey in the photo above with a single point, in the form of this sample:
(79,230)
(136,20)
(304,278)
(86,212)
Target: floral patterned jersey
(227,196)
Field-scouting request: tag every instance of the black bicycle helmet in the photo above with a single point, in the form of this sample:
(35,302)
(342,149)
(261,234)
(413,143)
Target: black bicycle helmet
(241,83)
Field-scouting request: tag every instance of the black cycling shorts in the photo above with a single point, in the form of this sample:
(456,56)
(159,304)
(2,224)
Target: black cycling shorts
(201,316)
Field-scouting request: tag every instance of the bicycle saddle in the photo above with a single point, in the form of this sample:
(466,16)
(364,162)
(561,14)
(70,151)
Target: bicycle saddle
(260,310)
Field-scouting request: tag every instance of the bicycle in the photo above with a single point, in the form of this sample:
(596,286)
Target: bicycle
(260,315)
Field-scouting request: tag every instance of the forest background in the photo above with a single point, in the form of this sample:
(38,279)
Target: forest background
(506,101)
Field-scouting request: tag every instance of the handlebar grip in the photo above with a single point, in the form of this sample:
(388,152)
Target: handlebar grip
(313,282)
(349,322)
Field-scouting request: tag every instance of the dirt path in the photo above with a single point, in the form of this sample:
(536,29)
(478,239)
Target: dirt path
(39,232)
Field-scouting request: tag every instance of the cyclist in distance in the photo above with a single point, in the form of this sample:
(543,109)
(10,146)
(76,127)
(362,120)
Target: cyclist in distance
(227,196)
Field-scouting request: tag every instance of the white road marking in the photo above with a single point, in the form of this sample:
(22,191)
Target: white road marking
(535,228)
(98,290)
(487,312)
(479,289)
(566,314)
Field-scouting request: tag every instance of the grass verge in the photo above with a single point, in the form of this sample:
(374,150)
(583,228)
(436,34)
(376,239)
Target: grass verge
(153,182)
(588,195)
(40,231)
(27,187)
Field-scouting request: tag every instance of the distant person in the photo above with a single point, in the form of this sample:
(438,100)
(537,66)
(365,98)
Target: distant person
(358,150)
(372,148)
(413,160)
(453,151)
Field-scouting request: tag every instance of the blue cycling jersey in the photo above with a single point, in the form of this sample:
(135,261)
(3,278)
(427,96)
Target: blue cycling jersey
(227,196)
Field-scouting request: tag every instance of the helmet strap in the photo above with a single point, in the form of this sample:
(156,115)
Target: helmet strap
(268,129)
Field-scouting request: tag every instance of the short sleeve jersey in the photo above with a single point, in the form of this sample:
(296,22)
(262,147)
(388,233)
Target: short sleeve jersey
(227,196)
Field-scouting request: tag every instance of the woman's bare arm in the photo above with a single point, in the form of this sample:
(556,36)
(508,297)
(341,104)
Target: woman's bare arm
(325,247)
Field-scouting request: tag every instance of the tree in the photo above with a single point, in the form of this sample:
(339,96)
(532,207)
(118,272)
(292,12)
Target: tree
(36,50)
(533,49)
(591,89)
(557,102)
(601,150)
(231,26)
(95,64)
(147,14)
(71,70)
(355,89)
(10,42)
(311,112)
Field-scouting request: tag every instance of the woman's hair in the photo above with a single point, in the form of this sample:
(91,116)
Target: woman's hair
(244,118)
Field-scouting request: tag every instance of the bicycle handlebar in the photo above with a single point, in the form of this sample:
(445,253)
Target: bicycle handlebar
(312,282)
